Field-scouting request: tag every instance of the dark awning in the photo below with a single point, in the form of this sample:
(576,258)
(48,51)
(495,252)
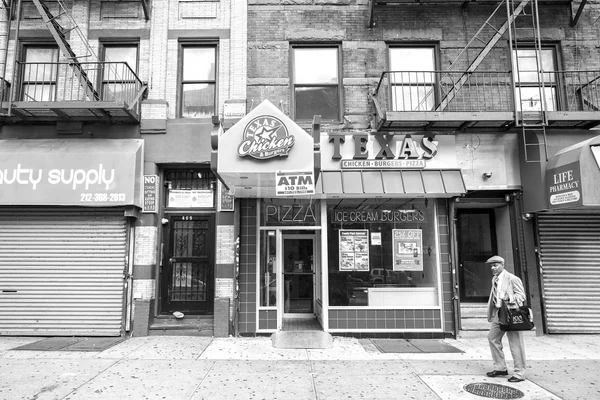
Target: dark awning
(396,183)
(572,176)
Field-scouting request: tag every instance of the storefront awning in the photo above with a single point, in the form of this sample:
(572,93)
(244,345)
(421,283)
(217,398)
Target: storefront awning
(71,172)
(572,176)
(392,183)
(247,157)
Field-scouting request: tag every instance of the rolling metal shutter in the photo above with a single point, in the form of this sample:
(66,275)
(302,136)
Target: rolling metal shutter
(570,254)
(62,272)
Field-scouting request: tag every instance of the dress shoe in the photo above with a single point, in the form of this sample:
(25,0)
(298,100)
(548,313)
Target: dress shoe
(514,379)
(494,374)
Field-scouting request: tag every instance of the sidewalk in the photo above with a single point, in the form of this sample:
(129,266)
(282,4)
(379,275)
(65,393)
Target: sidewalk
(179,367)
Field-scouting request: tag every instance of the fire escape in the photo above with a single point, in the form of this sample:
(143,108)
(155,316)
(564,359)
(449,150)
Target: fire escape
(466,97)
(76,87)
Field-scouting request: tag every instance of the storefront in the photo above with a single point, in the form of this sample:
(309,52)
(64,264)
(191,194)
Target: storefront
(568,236)
(65,226)
(351,231)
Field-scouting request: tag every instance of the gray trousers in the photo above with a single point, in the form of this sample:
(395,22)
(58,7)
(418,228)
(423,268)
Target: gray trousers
(517,349)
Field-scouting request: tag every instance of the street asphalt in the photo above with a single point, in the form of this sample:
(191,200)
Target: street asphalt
(192,368)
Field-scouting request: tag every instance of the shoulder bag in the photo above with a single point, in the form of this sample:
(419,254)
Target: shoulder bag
(515,318)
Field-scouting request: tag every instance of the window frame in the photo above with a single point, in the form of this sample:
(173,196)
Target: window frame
(104,44)
(292,61)
(556,85)
(180,69)
(22,56)
(434,47)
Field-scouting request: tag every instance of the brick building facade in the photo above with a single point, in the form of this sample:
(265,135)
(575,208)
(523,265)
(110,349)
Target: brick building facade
(460,120)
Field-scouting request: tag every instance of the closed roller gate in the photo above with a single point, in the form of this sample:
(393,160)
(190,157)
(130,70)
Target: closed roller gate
(570,254)
(62,272)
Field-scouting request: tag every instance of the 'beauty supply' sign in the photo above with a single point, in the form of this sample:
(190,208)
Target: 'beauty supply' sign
(84,182)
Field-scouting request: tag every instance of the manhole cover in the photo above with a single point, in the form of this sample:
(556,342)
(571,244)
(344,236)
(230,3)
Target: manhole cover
(493,391)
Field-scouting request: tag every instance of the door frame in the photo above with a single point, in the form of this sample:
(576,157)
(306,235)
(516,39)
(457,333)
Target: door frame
(167,236)
(281,273)
(494,238)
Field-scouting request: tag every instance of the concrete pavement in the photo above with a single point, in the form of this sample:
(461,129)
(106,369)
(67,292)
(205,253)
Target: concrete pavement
(193,368)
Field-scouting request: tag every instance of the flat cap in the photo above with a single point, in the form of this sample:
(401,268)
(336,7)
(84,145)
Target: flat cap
(495,259)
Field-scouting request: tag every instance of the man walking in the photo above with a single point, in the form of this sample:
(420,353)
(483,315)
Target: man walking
(505,287)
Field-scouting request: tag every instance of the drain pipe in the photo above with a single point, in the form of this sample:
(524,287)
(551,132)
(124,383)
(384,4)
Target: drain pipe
(454,265)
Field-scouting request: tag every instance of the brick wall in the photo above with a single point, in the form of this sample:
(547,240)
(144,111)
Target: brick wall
(273,25)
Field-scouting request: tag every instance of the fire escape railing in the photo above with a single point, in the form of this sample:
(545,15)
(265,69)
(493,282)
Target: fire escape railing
(490,91)
(59,82)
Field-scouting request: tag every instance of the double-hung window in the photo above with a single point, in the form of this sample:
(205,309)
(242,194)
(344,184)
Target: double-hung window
(119,79)
(39,73)
(528,80)
(412,78)
(198,77)
(316,82)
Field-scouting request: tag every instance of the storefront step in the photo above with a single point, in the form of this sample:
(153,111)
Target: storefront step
(473,310)
(474,324)
(302,340)
(187,326)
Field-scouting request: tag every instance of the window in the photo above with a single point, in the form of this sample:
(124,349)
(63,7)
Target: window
(382,255)
(198,81)
(39,73)
(528,88)
(316,86)
(190,189)
(118,79)
(412,78)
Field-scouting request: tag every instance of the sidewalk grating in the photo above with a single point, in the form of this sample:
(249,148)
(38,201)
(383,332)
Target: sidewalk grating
(72,344)
(413,346)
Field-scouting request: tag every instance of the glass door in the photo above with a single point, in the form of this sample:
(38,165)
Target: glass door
(476,243)
(298,263)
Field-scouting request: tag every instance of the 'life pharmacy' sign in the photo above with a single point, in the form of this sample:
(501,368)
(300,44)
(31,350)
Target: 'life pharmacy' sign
(293,183)
(564,186)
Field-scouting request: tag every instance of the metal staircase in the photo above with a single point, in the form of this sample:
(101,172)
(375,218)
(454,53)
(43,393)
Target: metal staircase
(530,110)
(513,13)
(6,11)
(58,32)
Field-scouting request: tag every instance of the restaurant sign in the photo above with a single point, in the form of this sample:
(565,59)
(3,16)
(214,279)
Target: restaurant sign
(385,151)
(564,185)
(265,137)
(377,216)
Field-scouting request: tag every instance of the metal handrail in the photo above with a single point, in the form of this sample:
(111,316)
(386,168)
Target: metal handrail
(58,81)
(489,91)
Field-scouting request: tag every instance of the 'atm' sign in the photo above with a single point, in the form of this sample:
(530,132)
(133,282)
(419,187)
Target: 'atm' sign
(294,183)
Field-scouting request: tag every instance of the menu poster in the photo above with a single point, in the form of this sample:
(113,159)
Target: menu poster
(408,249)
(354,250)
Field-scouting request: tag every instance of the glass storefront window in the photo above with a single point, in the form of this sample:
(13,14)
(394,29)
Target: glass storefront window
(382,253)
(268,272)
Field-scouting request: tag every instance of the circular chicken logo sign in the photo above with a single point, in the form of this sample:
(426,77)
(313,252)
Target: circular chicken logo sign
(266,137)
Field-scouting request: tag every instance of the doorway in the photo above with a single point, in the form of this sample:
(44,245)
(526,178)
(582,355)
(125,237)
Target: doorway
(476,243)
(298,270)
(187,265)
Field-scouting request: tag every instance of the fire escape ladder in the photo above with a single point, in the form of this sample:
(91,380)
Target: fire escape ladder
(58,32)
(530,107)
(498,33)
(6,12)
